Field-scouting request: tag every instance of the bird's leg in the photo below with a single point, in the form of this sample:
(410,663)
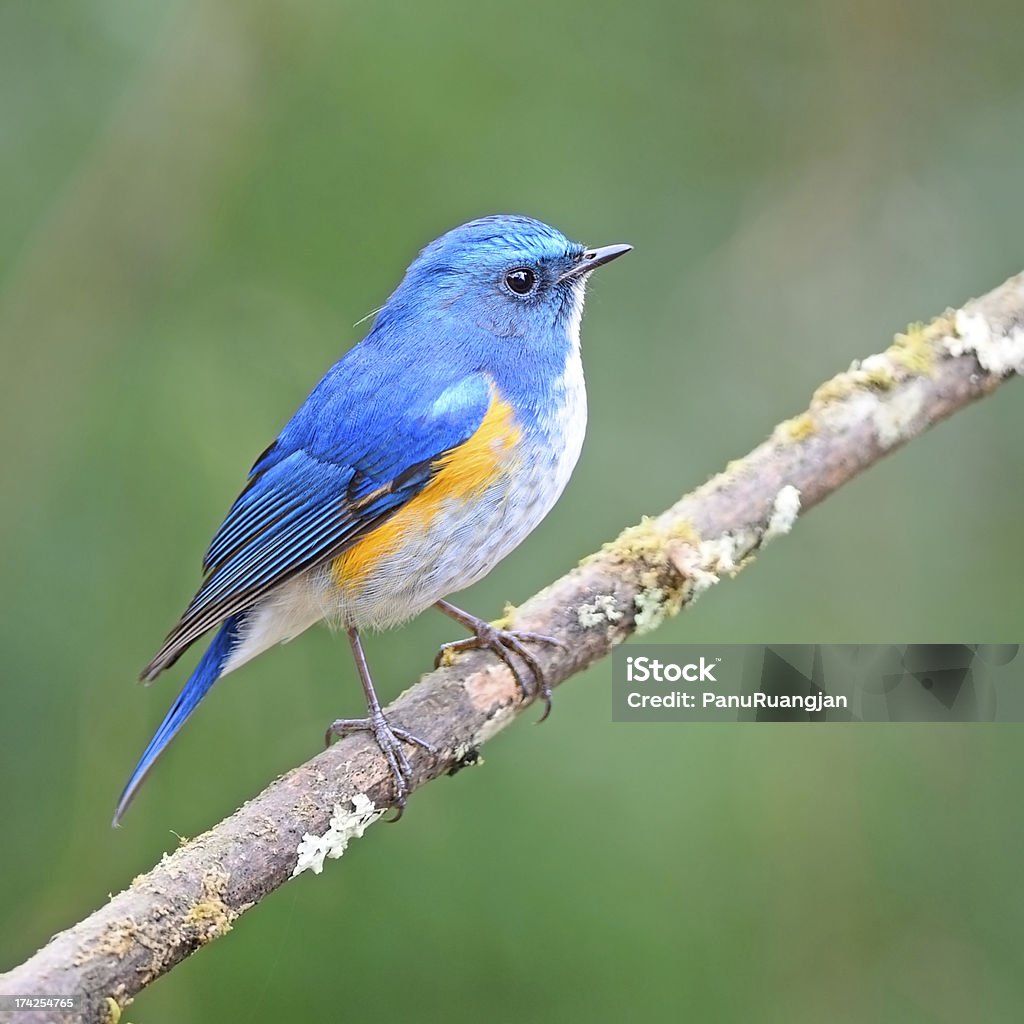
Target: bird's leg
(389,737)
(504,643)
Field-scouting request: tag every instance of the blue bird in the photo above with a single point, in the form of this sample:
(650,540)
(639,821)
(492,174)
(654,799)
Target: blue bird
(423,457)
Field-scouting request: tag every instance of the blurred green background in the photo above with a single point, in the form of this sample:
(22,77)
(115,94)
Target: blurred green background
(200,200)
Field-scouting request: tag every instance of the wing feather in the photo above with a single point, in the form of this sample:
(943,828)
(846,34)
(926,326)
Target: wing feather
(307,503)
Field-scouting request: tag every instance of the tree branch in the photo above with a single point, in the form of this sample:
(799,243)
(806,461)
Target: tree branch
(652,570)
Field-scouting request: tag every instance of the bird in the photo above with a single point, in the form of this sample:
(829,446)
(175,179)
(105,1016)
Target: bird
(424,456)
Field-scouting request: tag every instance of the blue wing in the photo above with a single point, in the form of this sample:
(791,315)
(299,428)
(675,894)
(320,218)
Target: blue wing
(358,450)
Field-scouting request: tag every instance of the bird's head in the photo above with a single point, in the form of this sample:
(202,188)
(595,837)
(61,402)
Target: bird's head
(511,276)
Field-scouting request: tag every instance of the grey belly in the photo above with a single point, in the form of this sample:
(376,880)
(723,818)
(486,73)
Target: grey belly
(463,543)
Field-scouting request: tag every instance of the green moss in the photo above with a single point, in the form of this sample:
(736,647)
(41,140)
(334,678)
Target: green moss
(836,389)
(505,621)
(842,385)
(912,353)
(647,542)
(914,350)
(644,548)
(878,378)
(799,428)
(211,918)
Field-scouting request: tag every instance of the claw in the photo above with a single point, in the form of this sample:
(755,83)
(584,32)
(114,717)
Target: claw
(389,739)
(504,643)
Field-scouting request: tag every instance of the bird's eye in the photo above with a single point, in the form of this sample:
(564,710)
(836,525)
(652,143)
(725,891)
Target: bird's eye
(521,280)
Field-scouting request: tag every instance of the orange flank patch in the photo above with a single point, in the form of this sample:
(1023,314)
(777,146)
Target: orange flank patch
(463,473)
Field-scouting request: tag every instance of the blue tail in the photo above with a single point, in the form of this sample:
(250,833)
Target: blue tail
(206,674)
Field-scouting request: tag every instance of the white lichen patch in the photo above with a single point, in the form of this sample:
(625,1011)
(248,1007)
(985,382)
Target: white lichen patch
(852,411)
(461,755)
(873,364)
(717,556)
(604,608)
(785,509)
(998,352)
(344,826)
(650,609)
(700,580)
(703,565)
(894,419)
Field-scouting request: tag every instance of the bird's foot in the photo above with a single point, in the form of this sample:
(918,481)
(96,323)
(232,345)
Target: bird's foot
(507,644)
(389,739)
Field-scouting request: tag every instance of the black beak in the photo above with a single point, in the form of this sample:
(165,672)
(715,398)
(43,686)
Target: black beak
(594,258)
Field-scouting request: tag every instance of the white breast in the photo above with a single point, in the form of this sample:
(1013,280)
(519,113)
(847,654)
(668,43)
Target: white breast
(571,420)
